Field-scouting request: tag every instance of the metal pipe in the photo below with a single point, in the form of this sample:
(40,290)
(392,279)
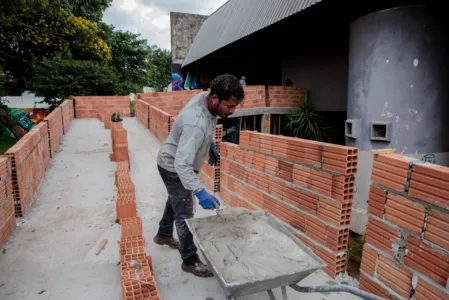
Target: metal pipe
(336,288)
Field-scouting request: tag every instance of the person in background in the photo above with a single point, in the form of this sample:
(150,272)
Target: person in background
(243,81)
(288,82)
(180,159)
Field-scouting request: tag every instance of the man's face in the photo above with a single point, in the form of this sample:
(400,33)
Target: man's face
(224,108)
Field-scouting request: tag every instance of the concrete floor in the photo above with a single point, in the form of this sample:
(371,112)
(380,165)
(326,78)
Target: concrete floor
(53,248)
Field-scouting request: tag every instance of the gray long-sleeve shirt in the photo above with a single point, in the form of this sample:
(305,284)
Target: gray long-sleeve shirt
(185,150)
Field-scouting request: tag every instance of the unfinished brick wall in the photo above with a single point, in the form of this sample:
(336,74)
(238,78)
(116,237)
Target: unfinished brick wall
(159,123)
(29,159)
(406,255)
(55,128)
(7,217)
(66,114)
(132,243)
(30,156)
(307,185)
(285,96)
(210,175)
(143,112)
(91,106)
(255,96)
(170,102)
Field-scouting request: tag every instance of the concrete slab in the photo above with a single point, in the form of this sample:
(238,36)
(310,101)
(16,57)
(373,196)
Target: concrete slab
(54,246)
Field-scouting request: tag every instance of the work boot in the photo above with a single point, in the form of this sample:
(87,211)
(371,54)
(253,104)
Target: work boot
(198,269)
(169,241)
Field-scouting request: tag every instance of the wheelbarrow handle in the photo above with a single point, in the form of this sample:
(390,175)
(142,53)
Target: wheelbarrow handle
(335,288)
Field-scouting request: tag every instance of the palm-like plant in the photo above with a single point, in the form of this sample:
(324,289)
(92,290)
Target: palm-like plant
(304,122)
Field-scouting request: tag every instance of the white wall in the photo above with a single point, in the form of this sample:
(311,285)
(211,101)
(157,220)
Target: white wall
(27,100)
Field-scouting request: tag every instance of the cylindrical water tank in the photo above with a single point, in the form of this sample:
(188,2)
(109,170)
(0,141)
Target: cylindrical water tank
(398,82)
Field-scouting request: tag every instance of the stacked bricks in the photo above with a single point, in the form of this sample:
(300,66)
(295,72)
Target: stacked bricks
(285,96)
(91,106)
(119,139)
(29,159)
(7,217)
(255,96)
(143,113)
(66,115)
(210,175)
(132,244)
(406,255)
(55,130)
(305,184)
(159,123)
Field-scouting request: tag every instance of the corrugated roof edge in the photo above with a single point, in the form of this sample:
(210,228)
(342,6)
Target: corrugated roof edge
(198,49)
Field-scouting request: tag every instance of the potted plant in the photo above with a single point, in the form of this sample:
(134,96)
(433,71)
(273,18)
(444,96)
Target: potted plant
(304,122)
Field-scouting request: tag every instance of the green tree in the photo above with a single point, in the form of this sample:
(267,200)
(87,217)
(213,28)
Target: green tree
(57,78)
(130,58)
(159,73)
(34,29)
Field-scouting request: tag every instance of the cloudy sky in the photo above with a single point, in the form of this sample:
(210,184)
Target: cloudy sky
(151,18)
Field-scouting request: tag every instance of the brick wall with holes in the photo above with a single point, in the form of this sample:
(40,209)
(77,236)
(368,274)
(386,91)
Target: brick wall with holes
(7,217)
(210,175)
(307,185)
(159,123)
(28,160)
(55,128)
(92,106)
(406,255)
(143,112)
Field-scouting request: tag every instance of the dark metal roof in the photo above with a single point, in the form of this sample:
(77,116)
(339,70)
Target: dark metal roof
(237,19)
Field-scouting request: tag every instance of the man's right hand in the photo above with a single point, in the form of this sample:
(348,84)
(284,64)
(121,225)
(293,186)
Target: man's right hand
(207,201)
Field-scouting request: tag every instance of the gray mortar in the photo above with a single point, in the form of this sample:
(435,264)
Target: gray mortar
(244,248)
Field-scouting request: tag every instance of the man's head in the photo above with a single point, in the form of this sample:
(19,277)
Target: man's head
(225,95)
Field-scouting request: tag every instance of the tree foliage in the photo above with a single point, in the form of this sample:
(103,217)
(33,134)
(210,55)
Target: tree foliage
(55,48)
(159,75)
(58,78)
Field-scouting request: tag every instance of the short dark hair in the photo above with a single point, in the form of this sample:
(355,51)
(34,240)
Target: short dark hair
(227,86)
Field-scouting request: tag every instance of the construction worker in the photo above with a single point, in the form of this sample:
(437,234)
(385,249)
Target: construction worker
(180,159)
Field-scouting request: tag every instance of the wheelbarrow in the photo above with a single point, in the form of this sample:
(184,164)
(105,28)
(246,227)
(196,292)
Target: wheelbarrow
(251,252)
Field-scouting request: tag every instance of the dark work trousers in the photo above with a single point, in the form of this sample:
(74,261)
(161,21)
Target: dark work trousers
(179,206)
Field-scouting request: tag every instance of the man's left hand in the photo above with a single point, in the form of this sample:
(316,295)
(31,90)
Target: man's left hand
(213,155)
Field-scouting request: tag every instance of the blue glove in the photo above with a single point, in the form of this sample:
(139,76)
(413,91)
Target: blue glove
(213,155)
(207,201)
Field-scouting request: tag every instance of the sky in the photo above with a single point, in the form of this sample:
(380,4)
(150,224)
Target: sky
(151,18)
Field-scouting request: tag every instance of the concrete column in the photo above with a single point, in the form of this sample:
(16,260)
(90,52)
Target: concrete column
(398,74)
(398,79)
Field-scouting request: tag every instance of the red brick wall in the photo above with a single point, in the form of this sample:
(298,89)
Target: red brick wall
(143,112)
(255,96)
(29,160)
(55,129)
(92,106)
(66,114)
(23,166)
(159,123)
(407,249)
(290,179)
(7,218)
(210,175)
(170,102)
(285,96)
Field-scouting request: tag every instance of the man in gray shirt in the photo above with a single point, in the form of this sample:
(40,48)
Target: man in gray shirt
(180,159)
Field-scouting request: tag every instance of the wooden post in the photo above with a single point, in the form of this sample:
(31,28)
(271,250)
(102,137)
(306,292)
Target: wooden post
(266,126)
